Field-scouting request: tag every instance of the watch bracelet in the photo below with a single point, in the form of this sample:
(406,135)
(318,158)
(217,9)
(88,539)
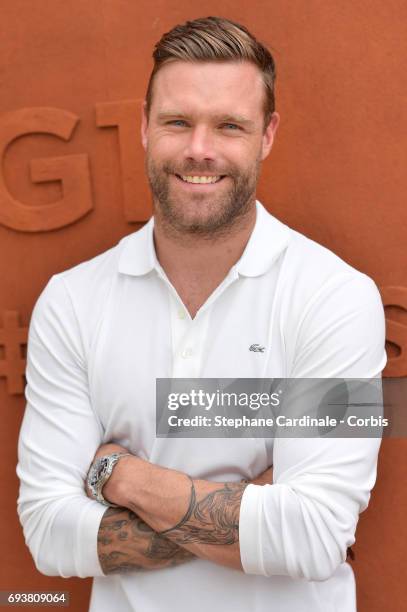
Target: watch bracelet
(97,492)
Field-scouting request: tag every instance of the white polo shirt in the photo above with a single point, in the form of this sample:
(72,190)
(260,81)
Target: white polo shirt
(100,335)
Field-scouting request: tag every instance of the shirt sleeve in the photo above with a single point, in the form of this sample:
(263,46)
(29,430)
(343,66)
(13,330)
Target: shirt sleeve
(302,524)
(59,436)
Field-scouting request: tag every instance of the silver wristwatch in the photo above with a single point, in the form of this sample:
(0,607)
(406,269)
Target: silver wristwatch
(100,473)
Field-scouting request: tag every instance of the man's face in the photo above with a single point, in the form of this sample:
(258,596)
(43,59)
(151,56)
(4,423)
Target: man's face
(204,142)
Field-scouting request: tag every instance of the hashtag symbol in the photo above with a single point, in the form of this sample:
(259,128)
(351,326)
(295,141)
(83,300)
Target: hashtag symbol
(13,339)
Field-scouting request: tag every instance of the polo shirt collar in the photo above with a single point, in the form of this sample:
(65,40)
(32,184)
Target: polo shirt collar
(268,240)
(138,256)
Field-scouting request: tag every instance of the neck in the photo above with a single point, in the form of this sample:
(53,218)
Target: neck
(194,256)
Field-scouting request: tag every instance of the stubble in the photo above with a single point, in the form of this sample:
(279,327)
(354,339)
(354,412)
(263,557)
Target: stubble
(226,210)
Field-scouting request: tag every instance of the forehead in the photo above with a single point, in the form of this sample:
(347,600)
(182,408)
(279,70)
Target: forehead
(219,87)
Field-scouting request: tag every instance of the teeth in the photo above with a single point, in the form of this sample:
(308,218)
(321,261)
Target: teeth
(200,179)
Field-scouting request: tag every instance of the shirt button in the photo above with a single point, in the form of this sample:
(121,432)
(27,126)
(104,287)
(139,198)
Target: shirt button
(188,352)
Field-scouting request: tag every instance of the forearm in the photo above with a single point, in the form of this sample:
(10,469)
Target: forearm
(209,524)
(127,543)
(198,515)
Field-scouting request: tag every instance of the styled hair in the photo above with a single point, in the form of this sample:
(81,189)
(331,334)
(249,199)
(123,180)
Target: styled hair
(214,39)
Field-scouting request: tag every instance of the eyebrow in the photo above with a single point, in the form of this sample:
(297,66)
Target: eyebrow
(221,118)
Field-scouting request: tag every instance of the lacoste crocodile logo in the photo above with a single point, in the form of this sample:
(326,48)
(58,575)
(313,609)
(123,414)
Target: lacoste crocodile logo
(256,348)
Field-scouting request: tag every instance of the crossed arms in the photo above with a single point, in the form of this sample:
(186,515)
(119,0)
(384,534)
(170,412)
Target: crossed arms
(166,518)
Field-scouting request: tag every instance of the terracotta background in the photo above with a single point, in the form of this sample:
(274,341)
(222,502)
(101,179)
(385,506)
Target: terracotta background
(72,76)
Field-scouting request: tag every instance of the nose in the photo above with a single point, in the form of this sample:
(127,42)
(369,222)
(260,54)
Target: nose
(200,145)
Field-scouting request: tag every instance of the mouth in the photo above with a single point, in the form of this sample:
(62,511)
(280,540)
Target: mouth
(199,180)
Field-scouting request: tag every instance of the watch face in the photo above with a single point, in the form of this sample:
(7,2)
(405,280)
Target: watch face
(99,471)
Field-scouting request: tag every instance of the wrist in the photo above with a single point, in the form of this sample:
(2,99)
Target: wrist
(122,481)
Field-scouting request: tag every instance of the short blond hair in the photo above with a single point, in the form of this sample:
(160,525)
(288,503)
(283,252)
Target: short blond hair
(214,39)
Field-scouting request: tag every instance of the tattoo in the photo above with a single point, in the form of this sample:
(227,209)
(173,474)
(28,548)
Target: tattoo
(212,520)
(126,543)
(162,548)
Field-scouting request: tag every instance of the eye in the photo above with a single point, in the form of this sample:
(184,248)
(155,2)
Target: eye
(177,122)
(231,126)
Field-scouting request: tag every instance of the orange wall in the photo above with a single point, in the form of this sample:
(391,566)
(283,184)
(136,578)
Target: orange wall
(73,75)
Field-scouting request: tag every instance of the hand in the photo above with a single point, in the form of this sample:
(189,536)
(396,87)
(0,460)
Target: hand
(265,477)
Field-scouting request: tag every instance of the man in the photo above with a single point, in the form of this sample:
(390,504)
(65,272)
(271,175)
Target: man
(198,523)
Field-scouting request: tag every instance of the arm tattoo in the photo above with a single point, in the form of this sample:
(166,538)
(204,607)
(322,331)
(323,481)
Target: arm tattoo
(126,543)
(212,520)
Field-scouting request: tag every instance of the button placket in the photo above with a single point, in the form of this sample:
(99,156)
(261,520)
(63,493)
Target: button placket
(188,360)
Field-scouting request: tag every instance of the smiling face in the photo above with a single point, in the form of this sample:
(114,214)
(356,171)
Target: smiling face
(204,141)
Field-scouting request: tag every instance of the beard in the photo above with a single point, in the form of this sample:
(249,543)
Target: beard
(211,214)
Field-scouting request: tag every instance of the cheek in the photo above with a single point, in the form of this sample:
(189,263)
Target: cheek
(243,148)
(245,156)
(166,144)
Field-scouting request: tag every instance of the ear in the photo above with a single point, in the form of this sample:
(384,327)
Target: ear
(268,136)
(144,125)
